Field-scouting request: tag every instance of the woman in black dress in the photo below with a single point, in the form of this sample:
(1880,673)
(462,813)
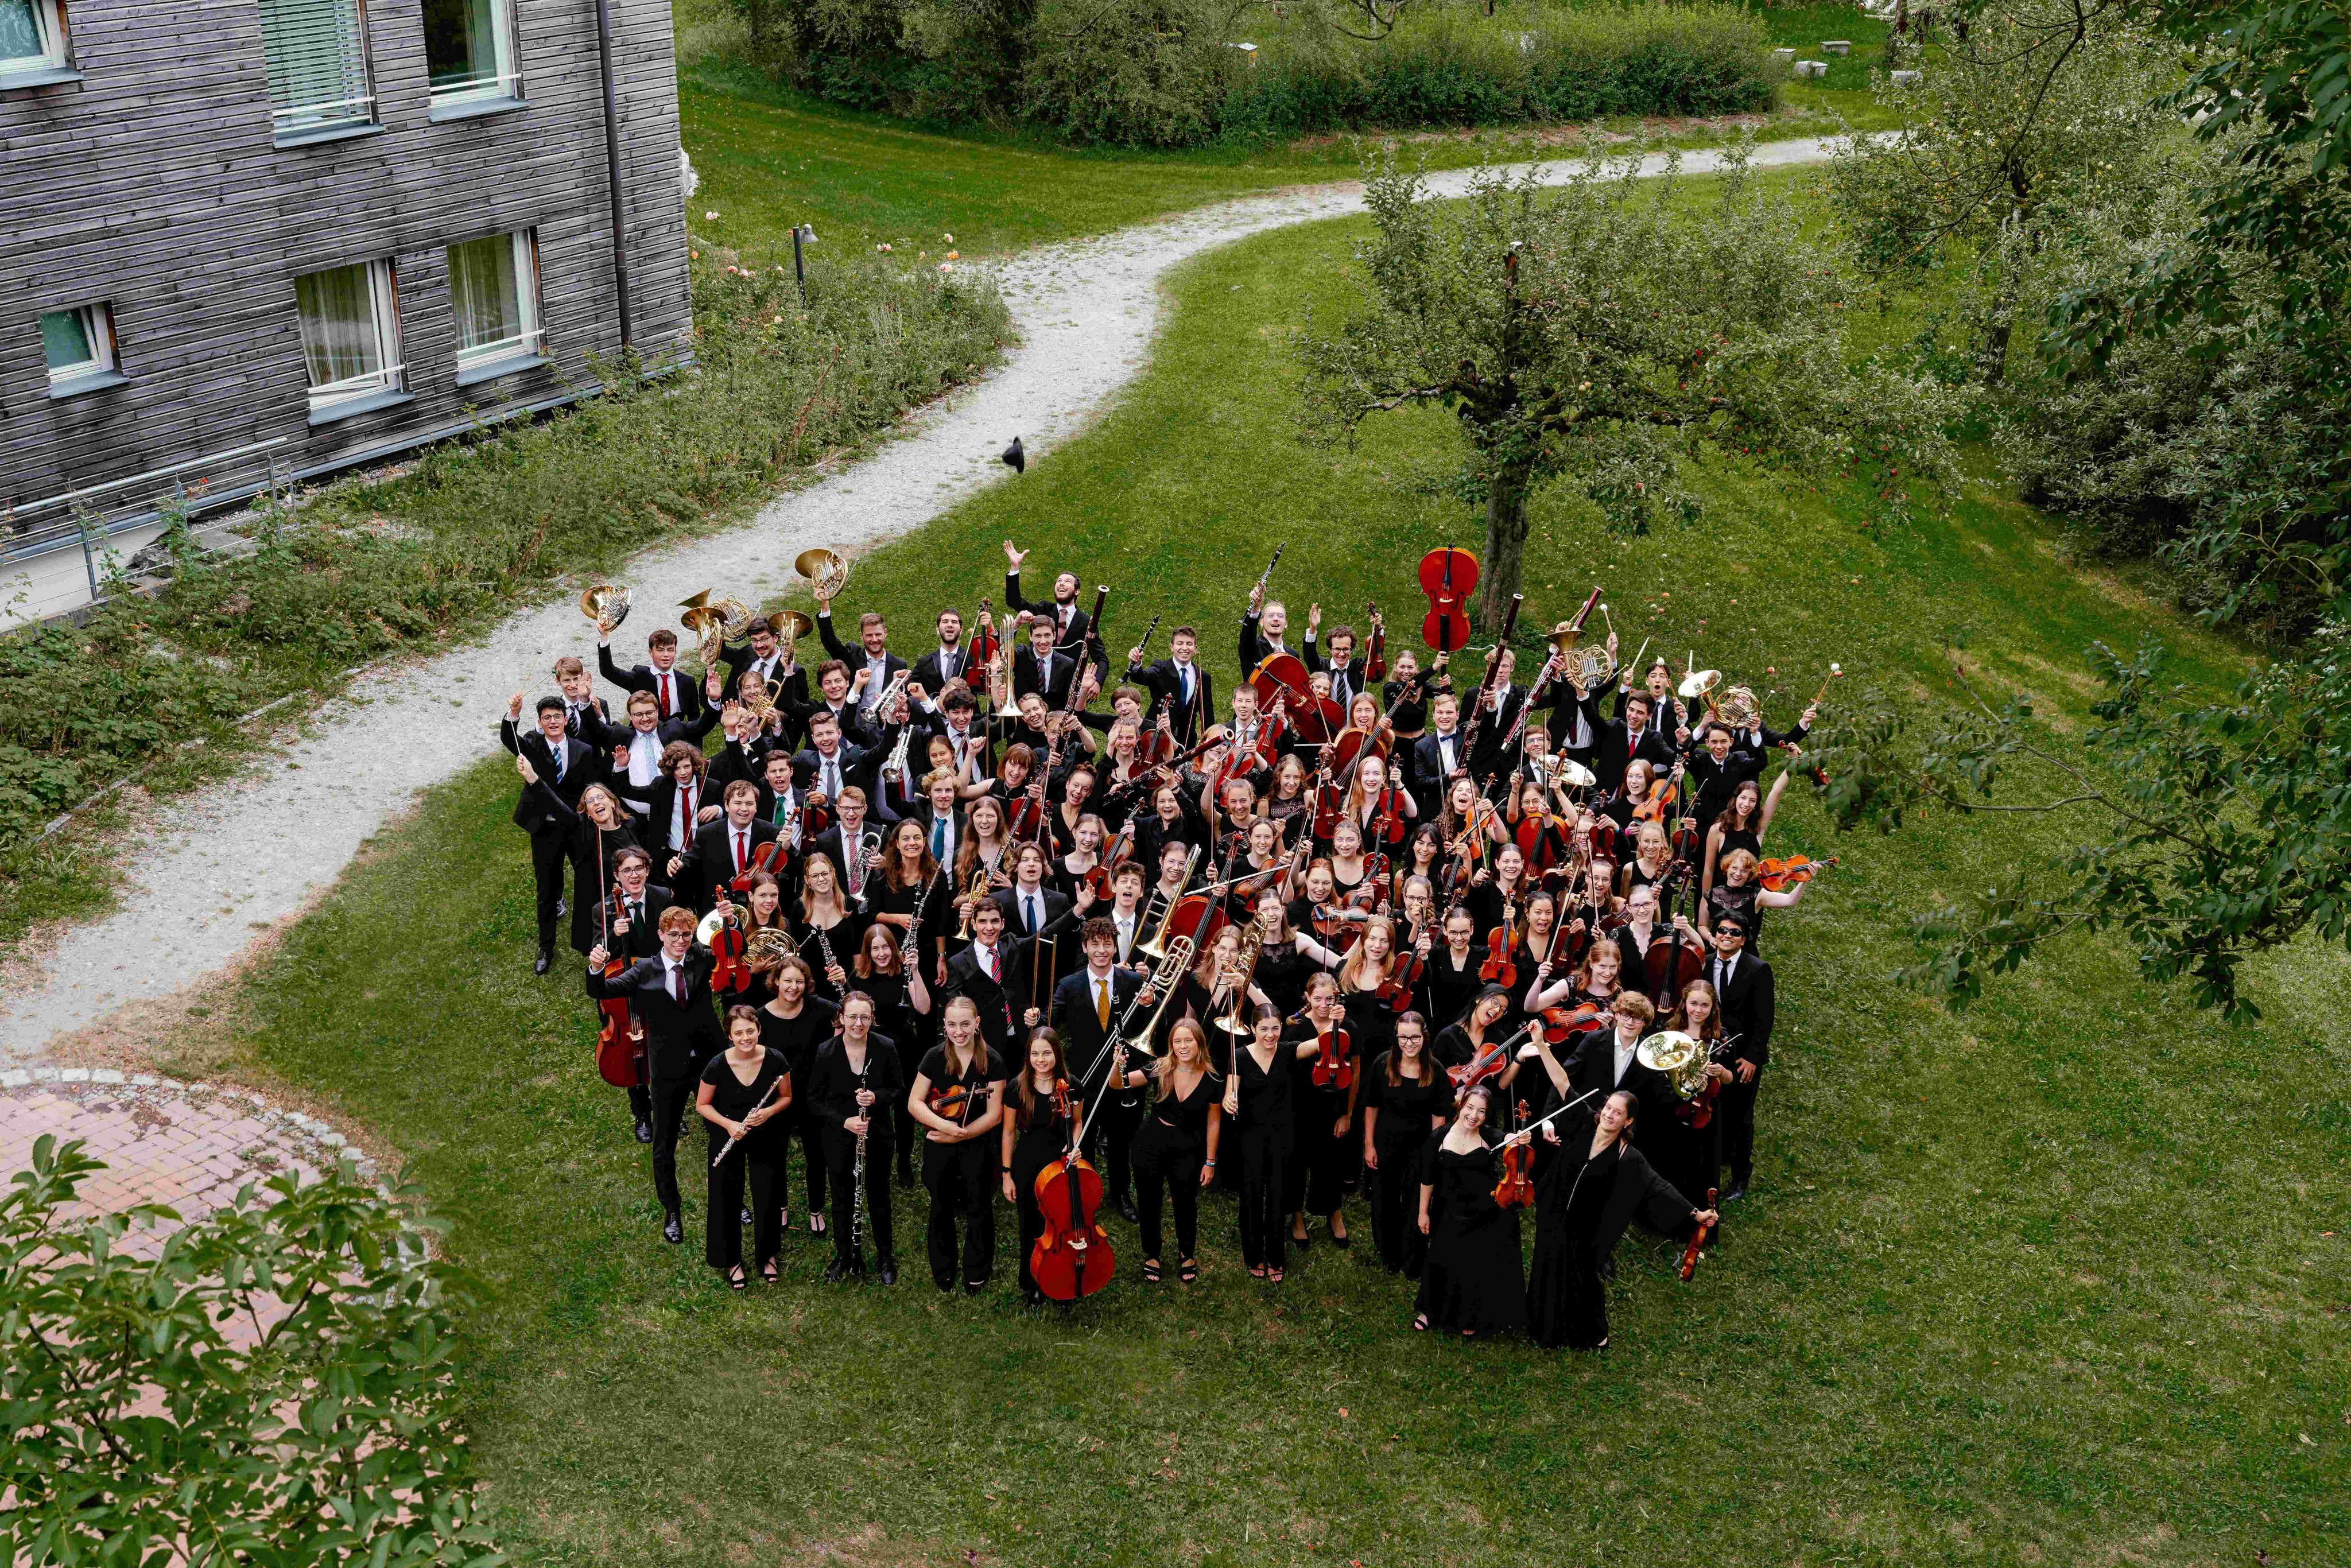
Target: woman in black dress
(744,1088)
(1316,1181)
(1593,1186)
(1739,893)
(827,927)
(760,908)
(598,831)
(1044,1114)
(1449,981)
(1471,1281)
(795,1023)
(1259,1102)
(1406,1098)
(1176,1148)
(901,1005)
(1741,826)
(957,1095)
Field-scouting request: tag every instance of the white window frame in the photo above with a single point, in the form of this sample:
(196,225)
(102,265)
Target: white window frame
(48,21)
(97,328)
(505,84)
(383,298)
(332,118)
(532,340)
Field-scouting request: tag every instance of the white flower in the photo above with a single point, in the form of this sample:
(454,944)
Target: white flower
(710,217)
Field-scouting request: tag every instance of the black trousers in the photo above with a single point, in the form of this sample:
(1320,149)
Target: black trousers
(812,1157)
(670,1097)
(1736,1109)
(841,1169)
(962,1180)
(549,859)
(1265,1230)
(1316,1179)
(1110,1142)
(1176,1169)
(757,1160)
(1394,1192)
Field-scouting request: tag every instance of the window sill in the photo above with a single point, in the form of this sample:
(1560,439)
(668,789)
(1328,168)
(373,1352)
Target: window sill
(40,76)
(474,108)
(352,408)
(312,137)
(493,370)
(96,380)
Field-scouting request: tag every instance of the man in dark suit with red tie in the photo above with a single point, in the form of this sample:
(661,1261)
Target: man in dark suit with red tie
(676,695)
(670,994)
(1616,741)
(981,972)
(723,851)
(565,767)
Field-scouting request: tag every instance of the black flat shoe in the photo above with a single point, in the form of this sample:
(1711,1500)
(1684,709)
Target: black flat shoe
(1127,1211)
(970,1288)
(835,1272)
(1188,1270)
(889,1271)
(673,1228)
(546,958)
(1151,1270)
(644,1132)
(1734,1194)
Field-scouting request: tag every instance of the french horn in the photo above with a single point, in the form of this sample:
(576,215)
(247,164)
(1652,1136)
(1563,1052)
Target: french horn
(605,603)
(789,626)
(1739,709)
(827,571)
(718,622)
(767,947)
(1682,1058)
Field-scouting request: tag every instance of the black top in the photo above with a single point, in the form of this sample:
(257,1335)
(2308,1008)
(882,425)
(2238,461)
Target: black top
(976,1076)
(1265,1096)
(1406,1107)
(833,1084)
(730,1096)
(798,1038)
(1186,1119)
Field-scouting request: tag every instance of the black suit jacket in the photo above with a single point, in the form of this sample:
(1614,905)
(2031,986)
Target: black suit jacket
(711,862)
(1594,1065)
(678,1039)
(1748,1003)
(1082,1033)
(1253,647)
(1055,683)
(1066,633)
(660,798)
(1001,1004)
(1429,778)
(1613,747)
(642,939)
(580,770)
(1191,719)
(932,676)
(690,704)
(858,766)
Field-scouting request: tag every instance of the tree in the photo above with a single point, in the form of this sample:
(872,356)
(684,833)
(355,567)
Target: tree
(135,1431)
(1596,335)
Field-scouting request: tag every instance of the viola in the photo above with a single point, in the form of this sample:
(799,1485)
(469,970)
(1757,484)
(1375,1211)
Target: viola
(1515,1191)
(984,640)
(1489,1061)
(728,974)
(763,858)
(951,1102)
(1335,1062)
(1072,1259)
(1698,1241)
(1098,876)
(1158,745)
(1779,872)
(1501,943)
(1561,1024)
(1448,577)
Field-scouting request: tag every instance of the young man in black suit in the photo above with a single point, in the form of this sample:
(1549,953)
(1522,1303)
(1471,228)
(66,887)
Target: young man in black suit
(565,767)
(985,972)
(745,755)
(1087,1005)
(724,850)
(1440,755)
(677,803)
(1742,983)
(631,929)
(583,709)
(637,748)
(677,695)
(1616,741)
(669,994)
(1336,658)
(1037,922)
(871,664)
(1070,623)
(1180,682)
(1606,1061)
(949,661)
(830,764)
(1044,667)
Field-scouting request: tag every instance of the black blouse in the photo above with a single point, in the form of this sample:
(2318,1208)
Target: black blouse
(1405,1106)
(730,1096)
(833,1085)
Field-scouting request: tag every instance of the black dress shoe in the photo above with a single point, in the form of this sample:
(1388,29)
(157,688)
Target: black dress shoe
(1734,1194)
(1127,1211)
(889,1270)
(747,1214)
(835,1272)
(971,1290)
(545,959)
(673,1228)
(644,1132)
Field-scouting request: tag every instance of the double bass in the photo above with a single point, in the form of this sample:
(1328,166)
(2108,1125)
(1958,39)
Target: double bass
(1448,577)
(1072,1259)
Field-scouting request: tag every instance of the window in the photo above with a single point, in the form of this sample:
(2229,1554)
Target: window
(493,289)
(350,335)
(80,347)
(32,39)
(469,50)
(317,52)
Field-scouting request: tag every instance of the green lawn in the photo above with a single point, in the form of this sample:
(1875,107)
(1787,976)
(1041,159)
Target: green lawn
(2045,1283)
(770,158)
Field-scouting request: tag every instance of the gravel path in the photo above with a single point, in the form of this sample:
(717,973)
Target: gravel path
(226,864)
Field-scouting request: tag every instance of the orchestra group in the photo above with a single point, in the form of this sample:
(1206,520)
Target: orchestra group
(1381,928)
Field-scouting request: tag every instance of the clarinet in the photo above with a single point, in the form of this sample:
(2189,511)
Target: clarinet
(857,1200)
(910,951)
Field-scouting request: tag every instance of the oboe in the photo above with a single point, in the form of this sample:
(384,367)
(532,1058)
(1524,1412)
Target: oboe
(857,1200)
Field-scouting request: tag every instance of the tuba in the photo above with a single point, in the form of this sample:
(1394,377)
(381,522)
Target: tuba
(1682,1058)
(606,604)
(827,571)
(718,622)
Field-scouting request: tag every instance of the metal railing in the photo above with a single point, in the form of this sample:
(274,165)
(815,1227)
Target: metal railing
(81,521)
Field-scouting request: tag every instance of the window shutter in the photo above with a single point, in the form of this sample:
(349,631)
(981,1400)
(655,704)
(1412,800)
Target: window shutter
(317,51)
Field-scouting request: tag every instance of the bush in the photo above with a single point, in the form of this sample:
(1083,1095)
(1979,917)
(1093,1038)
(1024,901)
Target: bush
(475,527)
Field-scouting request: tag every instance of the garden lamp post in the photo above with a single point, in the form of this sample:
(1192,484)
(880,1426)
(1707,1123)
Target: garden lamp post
(802,234)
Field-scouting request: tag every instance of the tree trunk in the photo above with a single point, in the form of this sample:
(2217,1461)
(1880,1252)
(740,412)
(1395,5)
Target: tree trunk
(1506,540)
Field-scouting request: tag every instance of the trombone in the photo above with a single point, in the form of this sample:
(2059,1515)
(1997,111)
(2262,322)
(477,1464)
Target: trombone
(1156,949)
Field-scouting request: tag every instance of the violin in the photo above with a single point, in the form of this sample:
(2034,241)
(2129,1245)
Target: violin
(1158,745)
(1777,873)
(728,974)
(1488,1062)
(1561,1024)
(1098,876)
(1335,1062)
(1698,1241)
(1653,810)
(763,858)
(983,638)
(1516,1189)
(1501,943)
(953,1102)
(1448,577)
(621,1043)
(1072,1259)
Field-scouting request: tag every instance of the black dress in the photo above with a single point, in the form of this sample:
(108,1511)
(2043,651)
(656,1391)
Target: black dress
(832,1086)
(1316,1181)
(1041,1138)
(1473,1280)
(842,936)
(1261,1136)
(798,1038)
(961,1178)
(1723,899)
(760,1155)
(592,850)
(1169,1149)
(1398,1135)
(1582,1205)
(895,1016)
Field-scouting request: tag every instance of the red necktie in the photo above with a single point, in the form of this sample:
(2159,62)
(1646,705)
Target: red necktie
(739,852)
(991,964)
(661,691)
(677,983)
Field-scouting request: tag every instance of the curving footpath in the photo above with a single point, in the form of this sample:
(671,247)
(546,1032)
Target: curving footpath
(223,866)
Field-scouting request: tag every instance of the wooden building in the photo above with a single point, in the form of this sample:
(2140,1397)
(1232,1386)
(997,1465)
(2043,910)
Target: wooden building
(247,240)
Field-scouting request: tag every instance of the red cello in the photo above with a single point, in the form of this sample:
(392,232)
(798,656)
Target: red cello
(1072,1259)
(1448,577)
(621,1043)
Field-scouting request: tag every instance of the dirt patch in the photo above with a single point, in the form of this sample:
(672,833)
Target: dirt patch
(1605,135)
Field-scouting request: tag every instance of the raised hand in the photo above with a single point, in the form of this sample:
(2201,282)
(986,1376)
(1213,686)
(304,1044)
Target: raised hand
(1015,555)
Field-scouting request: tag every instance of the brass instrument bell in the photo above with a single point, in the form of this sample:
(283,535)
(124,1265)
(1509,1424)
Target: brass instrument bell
(827,571)
(789,626)
(1739,709)
(1682,1058)
(605,603)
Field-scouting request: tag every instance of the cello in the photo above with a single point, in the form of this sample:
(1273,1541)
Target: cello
(1072,1259)
(1448,577)
(621,1043)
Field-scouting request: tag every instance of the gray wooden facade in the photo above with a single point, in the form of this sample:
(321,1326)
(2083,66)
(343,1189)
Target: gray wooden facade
(153,185)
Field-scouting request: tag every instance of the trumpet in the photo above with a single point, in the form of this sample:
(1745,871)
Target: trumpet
(977,890)
(605,603)
(1240,971)
(827,571)
(718,622)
